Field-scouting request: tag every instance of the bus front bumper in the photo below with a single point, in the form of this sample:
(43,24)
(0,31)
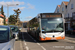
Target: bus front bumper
(50,38)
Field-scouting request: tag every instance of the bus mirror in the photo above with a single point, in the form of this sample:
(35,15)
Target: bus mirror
(43,31)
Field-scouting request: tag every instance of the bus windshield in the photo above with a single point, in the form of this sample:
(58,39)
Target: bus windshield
(4,32)
(52,24)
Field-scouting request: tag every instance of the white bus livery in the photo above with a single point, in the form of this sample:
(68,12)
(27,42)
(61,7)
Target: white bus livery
(47,26)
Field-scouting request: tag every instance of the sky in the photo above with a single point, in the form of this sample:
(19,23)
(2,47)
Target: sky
(30,8)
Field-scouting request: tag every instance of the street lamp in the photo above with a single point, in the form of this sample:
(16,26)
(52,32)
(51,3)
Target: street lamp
(8,10)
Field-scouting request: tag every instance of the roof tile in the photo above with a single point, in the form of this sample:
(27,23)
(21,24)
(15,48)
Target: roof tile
(58,5)
(66,3)
(1,15)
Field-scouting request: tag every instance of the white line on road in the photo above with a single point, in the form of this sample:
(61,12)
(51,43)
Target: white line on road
(43,48)
(14,46)
(25,42)
(37,43)
(21,45)
(27,48)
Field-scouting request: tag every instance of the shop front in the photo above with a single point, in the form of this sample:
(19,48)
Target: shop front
(73,20)
(67,23)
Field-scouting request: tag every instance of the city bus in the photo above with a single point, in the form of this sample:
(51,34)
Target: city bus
(47,26)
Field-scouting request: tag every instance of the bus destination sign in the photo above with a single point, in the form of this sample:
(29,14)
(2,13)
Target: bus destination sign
(47,16)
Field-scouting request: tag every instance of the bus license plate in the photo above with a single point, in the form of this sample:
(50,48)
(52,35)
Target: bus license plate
(53,38)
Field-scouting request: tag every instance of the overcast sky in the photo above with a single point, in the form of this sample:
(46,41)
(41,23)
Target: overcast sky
(30,8)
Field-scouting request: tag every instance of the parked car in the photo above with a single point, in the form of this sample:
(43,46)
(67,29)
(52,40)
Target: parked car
(15,31)
(70,31)
(6,38)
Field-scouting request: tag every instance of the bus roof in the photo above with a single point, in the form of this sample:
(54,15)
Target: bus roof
(51,13)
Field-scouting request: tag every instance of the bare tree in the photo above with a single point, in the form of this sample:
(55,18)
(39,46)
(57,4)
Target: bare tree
(17,12)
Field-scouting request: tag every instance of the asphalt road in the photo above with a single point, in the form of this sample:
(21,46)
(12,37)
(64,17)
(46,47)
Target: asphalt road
(27,42)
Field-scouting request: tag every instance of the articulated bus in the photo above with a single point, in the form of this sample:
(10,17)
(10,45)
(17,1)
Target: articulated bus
(47,26)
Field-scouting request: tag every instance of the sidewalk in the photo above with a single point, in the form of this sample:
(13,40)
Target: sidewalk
(70,38)
(70,35)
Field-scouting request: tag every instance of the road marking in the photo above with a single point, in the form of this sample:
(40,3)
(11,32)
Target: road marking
(21,45)
(37,43)
(69,40)
(27,48)
(43,48)
(25,42)
(14,46)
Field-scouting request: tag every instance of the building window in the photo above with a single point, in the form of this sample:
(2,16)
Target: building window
(66,6)
(73,14)
(71,6)
(62,9)
(57,10)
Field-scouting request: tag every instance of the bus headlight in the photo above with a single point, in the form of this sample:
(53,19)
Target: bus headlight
(62,36)
(44,36)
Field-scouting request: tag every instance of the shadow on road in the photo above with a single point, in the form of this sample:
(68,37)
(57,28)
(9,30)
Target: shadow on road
(24,36)
(48,41)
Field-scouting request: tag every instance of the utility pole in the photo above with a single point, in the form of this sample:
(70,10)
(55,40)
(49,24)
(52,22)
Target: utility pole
(8,11)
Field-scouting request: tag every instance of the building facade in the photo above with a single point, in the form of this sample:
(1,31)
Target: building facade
(1,19)
(6,20)
(70,18)
(63,10)
(57,9)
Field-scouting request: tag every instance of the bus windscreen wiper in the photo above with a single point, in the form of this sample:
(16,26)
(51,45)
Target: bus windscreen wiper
(58,30)
(54,31)
(50,31)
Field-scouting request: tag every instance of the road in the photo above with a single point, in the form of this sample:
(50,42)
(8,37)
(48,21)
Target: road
(27,42)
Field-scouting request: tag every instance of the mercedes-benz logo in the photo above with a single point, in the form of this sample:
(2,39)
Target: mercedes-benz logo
(53,36)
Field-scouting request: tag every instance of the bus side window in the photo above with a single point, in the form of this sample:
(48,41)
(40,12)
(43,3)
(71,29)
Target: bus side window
(38,30)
